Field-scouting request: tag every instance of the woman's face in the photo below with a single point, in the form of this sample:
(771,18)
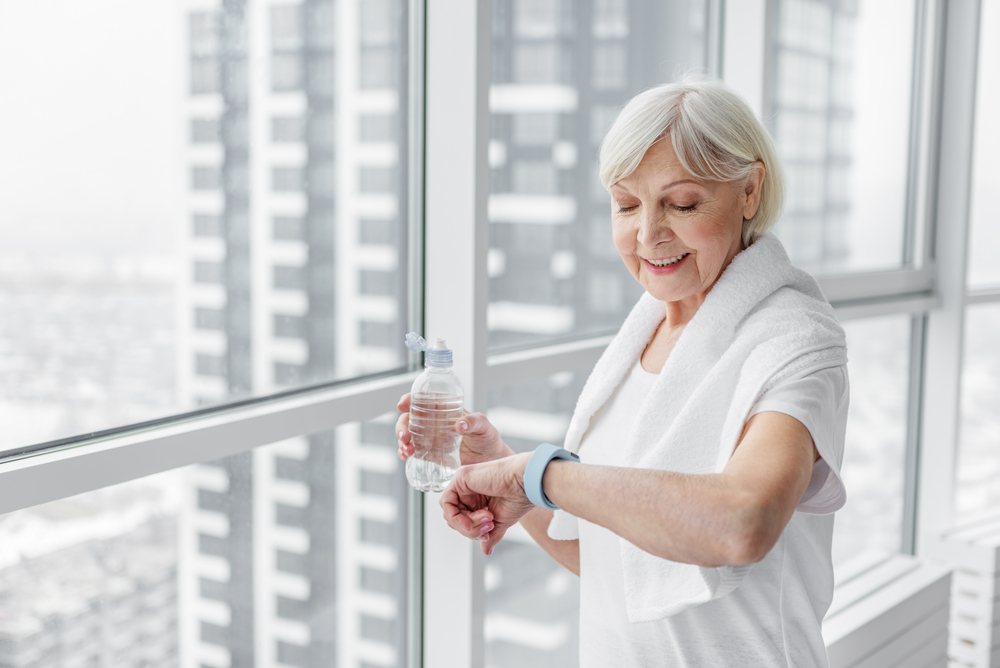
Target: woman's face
(677,233)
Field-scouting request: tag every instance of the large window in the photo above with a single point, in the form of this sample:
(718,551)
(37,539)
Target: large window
(561,71)
(293,554)
(843,129)
(185,219)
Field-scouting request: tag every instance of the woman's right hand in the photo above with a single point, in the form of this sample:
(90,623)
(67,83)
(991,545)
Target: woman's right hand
(481,441)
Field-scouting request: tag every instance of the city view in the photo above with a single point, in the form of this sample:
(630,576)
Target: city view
(222,213)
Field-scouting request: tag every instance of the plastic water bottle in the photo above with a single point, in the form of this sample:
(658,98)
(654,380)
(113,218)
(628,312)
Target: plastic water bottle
(435,406)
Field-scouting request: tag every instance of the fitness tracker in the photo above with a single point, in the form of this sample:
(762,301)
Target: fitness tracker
(535,469)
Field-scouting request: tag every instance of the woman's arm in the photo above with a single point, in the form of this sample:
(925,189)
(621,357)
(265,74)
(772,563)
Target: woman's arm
(734,517)
(730,518)
(565,552)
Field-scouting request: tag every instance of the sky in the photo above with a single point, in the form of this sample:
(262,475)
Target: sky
(90,126)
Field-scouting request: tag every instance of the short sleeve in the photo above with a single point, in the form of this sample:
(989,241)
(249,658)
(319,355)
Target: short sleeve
(819,400)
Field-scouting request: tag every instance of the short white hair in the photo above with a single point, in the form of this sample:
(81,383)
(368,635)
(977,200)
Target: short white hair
(714,133)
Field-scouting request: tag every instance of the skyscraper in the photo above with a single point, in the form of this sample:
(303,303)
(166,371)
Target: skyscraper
(295,552)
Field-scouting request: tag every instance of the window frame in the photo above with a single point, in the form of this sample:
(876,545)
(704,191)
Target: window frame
(447,103)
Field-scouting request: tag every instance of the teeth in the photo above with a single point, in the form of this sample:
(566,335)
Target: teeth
(669,261)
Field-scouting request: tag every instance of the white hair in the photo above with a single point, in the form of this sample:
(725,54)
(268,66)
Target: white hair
(714,133)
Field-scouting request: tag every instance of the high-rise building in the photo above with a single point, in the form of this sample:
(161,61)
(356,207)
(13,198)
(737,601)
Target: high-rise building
(294,553)
(809,108)
(561,72)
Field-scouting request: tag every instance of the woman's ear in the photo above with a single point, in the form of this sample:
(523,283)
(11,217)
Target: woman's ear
(752,190)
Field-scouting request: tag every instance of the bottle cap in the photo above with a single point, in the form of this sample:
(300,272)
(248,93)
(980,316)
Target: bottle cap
(415,342)
(439,355)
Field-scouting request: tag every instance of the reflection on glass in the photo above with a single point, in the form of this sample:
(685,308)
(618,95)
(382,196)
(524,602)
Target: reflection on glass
(978,474)
(874,459)
(293,554)
(532,603)
(561,71)
(186,220)
(985,231)
(839,108)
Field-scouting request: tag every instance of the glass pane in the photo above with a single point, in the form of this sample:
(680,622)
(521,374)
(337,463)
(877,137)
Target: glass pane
(561,71)
(294,554)
(874,460)
(978,475)
(532,603)
(985,232)
(840,107)
(186,221)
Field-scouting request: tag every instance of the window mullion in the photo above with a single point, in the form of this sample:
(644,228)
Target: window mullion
(938,442)
(455,296)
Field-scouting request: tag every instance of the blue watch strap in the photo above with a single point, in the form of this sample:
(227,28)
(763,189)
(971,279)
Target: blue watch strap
(535,469)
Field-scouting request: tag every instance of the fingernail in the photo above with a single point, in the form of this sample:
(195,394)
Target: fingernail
(486,528)
(399,435)
(484,520)
(484,538)
(463,426)
(490,553)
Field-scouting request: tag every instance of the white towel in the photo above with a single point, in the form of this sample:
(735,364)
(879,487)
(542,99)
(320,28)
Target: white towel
(763,322)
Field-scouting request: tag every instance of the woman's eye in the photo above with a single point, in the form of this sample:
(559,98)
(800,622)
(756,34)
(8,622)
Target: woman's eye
(685,208)
(625,209)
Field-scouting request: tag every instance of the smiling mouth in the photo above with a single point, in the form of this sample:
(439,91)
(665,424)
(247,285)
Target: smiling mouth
(667,261)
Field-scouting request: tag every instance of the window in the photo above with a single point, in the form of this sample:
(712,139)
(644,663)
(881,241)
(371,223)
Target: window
(162,244)
(204,130)
(985,231)
(288,129)
(123,554)
(543,196)
(847,166)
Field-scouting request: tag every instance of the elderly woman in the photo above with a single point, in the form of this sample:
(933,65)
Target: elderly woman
(711,431)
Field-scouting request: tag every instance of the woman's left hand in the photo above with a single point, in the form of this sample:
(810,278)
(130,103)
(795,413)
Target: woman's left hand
(497,486)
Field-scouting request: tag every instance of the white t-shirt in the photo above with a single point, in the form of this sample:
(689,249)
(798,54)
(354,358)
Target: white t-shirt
(774,617)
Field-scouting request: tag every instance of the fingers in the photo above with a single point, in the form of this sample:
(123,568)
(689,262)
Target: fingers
(461,515)
(403,440)
(492,539)
(473,424)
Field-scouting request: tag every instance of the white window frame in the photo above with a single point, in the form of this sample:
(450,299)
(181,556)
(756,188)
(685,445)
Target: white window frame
(451,192)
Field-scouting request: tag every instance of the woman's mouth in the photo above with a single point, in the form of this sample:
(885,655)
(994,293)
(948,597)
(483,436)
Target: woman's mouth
(665,265)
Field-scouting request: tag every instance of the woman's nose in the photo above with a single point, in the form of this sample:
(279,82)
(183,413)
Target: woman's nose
(653,230)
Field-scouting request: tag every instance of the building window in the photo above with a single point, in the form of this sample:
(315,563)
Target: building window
(534,177)
(609,69)
(289,326)
(288,129)
(288,228)
(378,180)
(286,72)
(378,283)
(378,67)
(378,127)
(206,225)
(206,178)
(209,318)
(208,272)
(377,231)
(535,129)
(380,334)
(289,278)
(288,179)
(538,64)
(204,130)
(210,365)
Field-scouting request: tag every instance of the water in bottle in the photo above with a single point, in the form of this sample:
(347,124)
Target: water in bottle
(435,406)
